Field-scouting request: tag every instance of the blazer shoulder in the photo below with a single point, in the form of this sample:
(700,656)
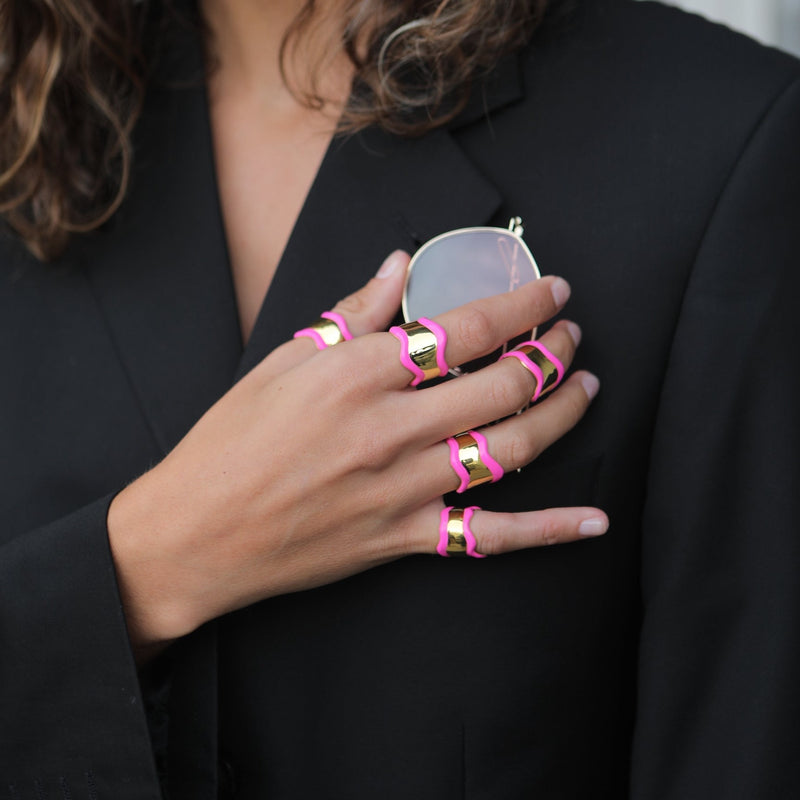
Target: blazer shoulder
(629,43)
(645,81)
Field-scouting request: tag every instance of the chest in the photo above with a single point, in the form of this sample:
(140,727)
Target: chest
(266,162)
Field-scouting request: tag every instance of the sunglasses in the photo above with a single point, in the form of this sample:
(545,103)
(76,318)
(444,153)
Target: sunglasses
(467,264)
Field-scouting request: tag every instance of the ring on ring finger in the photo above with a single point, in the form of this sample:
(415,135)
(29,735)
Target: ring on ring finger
(547,369)
(471,460)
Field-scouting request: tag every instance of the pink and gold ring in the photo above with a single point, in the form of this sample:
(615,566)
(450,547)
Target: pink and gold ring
(547,370)
(455,535)
(330,329)
(422,346)
(470,460)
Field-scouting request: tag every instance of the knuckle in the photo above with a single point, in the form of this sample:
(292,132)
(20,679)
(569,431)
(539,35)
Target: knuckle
(550,532)
(490,543)
(359,451)
(520,451)
(510,392)
(368,454)
(354,303)
(341,386)
(477,331)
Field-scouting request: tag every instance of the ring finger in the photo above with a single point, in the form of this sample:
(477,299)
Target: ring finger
(512,443)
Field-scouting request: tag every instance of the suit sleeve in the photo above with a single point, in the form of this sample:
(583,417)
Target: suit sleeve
(72,723)
(718,701)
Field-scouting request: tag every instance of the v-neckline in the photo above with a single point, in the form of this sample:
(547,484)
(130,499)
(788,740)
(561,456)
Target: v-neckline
(256,284)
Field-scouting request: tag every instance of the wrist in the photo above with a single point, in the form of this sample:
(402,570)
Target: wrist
(151,573)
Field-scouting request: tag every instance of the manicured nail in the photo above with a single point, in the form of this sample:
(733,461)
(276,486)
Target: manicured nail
(561,291)
(591,384)
(390,265)
(574,331)
(593,527)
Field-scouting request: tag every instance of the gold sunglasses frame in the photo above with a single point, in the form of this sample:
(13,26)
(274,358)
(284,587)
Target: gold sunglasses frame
(515,229)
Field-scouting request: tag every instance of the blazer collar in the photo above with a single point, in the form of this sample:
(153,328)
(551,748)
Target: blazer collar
(160,272)
(374,193)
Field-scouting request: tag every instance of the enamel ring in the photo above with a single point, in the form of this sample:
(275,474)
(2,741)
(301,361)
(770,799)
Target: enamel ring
(470,460)
(455,535)
(422,346)
(330,329)
(547,369)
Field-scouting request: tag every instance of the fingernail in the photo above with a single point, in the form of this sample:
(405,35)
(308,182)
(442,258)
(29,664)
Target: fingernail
(574,331)
(391,263)
(591,384)
(593,527)
(561,291)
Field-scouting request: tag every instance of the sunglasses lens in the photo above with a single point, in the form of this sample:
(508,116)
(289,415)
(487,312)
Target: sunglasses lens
(463,266)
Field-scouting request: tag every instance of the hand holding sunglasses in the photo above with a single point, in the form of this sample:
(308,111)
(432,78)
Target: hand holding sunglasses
(324,461)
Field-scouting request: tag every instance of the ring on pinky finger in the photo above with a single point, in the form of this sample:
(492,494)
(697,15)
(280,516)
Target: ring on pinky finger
(455,534)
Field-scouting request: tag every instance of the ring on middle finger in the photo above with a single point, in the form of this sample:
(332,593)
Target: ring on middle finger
(422,346)
(471,461)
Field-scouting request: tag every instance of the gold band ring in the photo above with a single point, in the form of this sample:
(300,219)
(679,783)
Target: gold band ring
(455,534)
(422,346)
(329,330)
(470,460)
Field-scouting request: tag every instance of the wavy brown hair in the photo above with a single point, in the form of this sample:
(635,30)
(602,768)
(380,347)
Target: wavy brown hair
(73,76)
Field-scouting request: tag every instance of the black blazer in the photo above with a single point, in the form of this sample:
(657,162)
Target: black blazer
(654,159)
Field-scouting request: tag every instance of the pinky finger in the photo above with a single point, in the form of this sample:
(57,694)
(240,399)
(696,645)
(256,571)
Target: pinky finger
(497,533)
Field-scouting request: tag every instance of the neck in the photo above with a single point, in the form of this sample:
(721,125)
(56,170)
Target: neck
(246,39)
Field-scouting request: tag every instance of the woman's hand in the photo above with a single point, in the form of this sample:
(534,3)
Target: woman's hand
(321,464)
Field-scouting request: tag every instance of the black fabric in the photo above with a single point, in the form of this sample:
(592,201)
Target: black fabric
(654,160)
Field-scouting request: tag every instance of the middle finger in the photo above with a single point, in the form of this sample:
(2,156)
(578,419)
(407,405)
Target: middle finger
(482,397)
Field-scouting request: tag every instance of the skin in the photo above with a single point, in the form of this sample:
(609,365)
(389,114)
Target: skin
(245,507)
(263,137)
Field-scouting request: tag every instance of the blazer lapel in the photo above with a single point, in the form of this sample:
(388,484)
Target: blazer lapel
(161,272)
(374,193)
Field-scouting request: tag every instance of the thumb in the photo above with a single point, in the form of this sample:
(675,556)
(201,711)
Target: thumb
(367,310)
(375,304)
